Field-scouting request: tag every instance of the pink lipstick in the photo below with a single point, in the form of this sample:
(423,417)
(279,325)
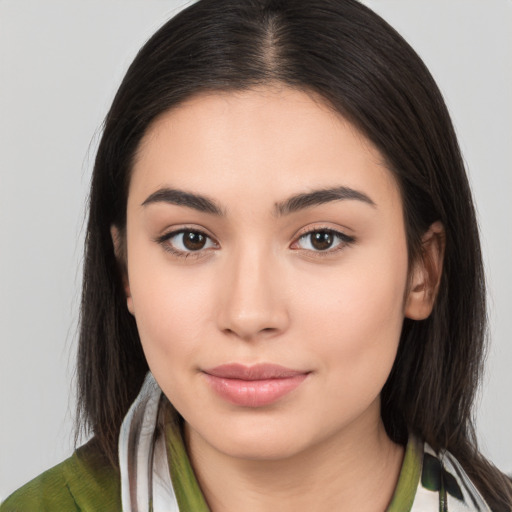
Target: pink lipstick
(253,386)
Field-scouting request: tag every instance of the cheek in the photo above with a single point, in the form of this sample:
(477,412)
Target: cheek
(356,318)
(171,307)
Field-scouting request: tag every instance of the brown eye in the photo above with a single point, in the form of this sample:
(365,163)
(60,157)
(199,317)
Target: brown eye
(186,241)
(193,240)
(322,240)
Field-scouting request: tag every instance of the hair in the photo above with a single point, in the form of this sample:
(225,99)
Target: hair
(350,57)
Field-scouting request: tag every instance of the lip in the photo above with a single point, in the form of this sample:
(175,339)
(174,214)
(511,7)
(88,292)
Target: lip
(253,386)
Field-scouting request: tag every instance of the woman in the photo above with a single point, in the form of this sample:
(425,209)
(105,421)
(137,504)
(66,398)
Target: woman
(282,232)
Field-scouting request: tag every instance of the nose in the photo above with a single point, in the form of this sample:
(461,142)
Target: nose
(253,299)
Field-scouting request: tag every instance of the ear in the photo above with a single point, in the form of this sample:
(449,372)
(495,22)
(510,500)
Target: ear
(119,242)
(426,274)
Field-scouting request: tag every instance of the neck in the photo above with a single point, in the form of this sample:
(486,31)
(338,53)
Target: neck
(354,470)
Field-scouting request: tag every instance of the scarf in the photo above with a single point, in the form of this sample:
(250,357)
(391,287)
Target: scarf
(146,484)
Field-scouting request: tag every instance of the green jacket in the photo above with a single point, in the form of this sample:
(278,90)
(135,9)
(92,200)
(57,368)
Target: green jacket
(87,482)
(84,482)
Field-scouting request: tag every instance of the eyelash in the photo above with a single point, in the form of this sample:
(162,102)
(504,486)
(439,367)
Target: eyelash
(164,240)
(344,241)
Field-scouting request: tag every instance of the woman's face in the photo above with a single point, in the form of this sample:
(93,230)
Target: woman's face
(266,270)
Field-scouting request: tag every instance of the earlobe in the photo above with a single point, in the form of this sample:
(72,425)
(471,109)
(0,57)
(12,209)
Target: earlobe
(426,274)
(120,253)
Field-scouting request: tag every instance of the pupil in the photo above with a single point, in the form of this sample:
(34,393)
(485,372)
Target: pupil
(322,240)
(193,241)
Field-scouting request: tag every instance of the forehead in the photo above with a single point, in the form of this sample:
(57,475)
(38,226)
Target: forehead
(269,141)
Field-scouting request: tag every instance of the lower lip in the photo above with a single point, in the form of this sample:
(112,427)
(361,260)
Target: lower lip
(254,393)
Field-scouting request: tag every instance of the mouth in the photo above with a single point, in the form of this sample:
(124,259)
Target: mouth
(253,386)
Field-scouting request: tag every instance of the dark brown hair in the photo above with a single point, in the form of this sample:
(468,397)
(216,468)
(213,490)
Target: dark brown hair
(363,68)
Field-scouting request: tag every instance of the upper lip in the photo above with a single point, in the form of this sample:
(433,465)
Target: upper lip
(260,371)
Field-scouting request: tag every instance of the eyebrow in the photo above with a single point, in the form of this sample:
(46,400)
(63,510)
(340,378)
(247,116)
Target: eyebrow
(318,197)
(291,205)
(182,198)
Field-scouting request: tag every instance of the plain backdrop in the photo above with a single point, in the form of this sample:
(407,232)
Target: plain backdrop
(60,64)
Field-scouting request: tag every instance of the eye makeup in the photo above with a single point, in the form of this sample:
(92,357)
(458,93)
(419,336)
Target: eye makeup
(187,242)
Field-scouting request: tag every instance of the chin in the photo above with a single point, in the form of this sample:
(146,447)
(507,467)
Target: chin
(269,449)
(262,439)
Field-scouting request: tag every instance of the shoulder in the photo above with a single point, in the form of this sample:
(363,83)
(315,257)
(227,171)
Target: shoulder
(84,482)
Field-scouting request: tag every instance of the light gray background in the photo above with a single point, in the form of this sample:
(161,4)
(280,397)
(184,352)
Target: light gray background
(60,64)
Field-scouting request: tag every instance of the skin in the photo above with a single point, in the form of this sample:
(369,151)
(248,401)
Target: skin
(260,291)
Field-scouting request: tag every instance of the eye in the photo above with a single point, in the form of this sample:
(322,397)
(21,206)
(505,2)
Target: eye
(323,240)
(186,241)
